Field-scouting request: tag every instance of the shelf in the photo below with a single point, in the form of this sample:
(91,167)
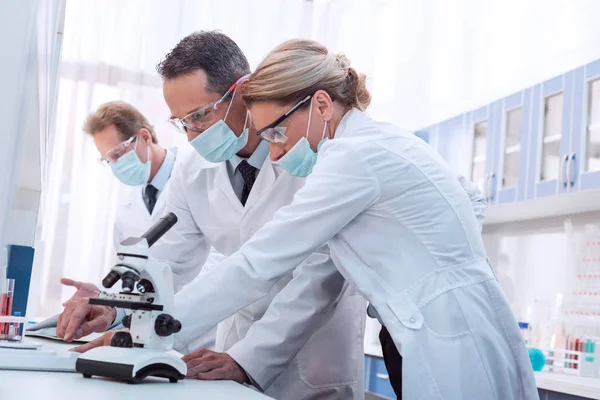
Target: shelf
(373,350)
(512,149)
(545,207)
(594,127)
(569,384)
(478,159)
(552,138)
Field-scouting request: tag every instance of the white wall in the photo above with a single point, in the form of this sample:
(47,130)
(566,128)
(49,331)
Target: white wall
(445,57)
(536,261)
(17,33)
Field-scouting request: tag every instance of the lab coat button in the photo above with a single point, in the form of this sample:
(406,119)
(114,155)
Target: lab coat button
(412,320)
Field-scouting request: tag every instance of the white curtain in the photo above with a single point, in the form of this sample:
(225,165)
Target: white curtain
(110,53)
(425,60)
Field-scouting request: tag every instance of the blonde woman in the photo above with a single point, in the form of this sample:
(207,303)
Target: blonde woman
(399,224)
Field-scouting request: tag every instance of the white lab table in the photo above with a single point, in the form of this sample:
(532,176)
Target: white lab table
(72,386)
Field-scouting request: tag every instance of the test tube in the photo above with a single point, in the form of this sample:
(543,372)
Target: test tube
(15,330)
(6,303)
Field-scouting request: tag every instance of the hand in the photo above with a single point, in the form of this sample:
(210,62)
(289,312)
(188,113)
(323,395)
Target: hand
(103,340)
(84,290)
(79,319)
(209,365)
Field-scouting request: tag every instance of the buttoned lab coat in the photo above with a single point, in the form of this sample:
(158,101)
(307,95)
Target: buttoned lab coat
(400,227)
(267,338)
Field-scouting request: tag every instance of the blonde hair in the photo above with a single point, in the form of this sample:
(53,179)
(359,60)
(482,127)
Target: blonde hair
(298,68)
(125,117)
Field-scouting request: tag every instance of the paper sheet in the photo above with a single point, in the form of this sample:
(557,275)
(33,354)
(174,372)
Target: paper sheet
(47,329)
(50,333)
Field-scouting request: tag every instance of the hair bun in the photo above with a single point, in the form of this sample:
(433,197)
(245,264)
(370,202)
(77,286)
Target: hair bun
(343,61)
(357,89)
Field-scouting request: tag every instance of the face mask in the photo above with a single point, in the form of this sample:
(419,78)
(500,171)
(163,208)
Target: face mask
(130,170)
(218,143)
(300,159)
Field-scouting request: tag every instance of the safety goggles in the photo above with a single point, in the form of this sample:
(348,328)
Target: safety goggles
(118,151)
(276,134)
(197,120)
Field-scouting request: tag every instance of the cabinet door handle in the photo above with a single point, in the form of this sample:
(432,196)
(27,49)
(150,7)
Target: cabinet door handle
(487,187)
(572,169)
(561,169)
(492,181)
(382,376)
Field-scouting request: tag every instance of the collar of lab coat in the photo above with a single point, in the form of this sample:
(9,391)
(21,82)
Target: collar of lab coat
(256,159)
(350,122)
(164,172)
(265,178)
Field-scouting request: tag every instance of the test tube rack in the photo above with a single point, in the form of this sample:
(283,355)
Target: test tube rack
(579,363)
(13,328)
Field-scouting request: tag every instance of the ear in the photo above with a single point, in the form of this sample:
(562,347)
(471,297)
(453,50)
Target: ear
(145,135)
(324,105)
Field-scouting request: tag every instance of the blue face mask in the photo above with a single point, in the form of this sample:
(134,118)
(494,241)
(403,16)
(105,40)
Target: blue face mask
(300,159)
(218,143)
(130,170)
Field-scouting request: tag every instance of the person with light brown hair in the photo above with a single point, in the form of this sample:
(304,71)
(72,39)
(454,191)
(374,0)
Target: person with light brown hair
(400,226)
(128,145)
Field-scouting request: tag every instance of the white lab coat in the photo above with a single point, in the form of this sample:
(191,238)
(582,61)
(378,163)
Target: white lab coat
(268,339)
(401,227)
(133,218)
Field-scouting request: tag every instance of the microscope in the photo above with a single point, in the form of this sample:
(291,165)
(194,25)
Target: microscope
(144,350)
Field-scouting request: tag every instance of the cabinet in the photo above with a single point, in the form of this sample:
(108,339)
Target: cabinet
(549,395)
(537,143)
(551,132)
(377,380)
(585,155)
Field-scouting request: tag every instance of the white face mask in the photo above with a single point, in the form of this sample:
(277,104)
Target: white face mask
(218,143)
(130,170)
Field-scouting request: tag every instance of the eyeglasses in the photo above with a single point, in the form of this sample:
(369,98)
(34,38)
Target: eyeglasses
(118,151)
(276,134)
(196,120)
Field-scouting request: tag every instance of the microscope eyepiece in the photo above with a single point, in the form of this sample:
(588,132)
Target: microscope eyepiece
(111,278)
(160,228)
(129,279)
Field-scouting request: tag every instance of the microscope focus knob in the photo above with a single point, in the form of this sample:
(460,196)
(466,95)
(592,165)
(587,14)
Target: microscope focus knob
(126,321)
(166,325)
(122,339)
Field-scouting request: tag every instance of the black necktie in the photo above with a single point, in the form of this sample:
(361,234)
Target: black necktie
(150,197)
(249,175)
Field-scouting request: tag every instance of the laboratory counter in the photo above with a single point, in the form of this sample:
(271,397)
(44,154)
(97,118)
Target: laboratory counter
(73,386)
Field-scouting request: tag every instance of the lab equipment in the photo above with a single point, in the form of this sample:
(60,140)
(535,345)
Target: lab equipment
(144,350)
(6,301)
(13,328)
(537,358)
(525,331)
(577,358)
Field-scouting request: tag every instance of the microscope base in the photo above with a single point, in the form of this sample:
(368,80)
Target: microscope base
(131,365)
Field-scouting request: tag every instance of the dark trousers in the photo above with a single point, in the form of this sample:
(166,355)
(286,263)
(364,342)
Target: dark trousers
(393,361)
